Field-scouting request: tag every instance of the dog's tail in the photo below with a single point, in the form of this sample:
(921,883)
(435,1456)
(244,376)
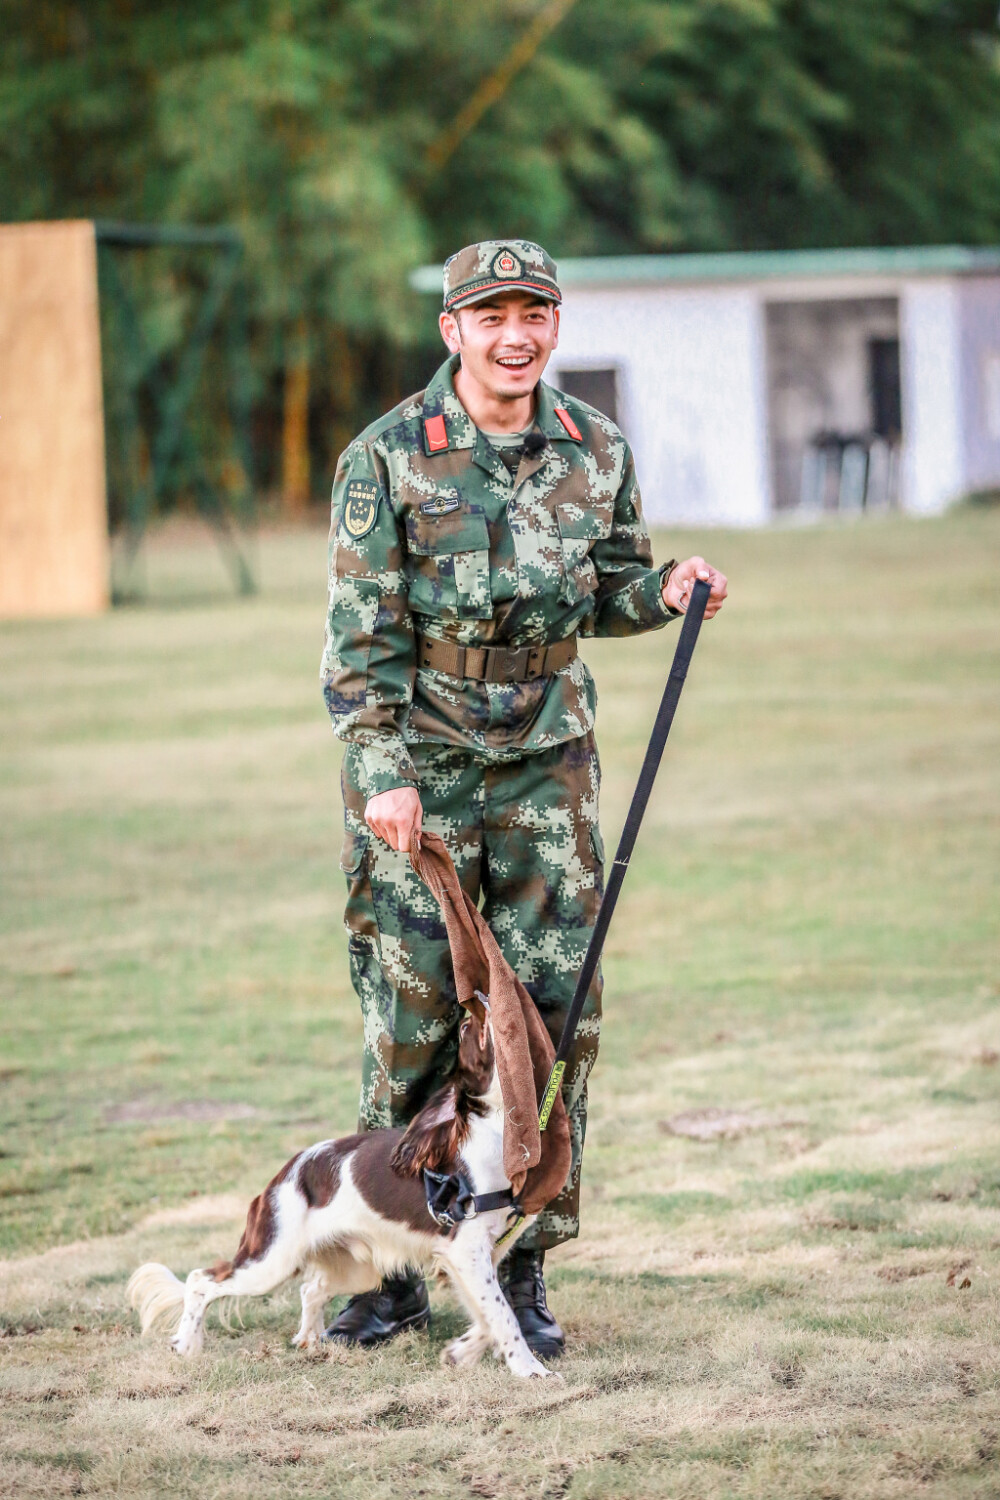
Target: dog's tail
(157,1296)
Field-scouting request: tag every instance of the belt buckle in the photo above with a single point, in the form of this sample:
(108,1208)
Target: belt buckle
(506,664)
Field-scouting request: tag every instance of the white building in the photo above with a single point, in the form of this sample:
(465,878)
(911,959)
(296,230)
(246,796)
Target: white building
(767,382)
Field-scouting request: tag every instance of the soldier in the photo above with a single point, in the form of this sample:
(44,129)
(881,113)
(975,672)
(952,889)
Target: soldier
(477,530)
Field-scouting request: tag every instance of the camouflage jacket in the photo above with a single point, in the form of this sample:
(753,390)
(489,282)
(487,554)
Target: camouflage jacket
(430,531)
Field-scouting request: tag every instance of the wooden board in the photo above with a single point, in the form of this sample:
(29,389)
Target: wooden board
(54,550)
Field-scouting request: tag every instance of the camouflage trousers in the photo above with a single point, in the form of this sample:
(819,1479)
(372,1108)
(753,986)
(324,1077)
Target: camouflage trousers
(525,841)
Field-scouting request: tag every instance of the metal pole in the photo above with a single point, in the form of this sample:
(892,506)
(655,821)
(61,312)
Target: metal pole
(661,728)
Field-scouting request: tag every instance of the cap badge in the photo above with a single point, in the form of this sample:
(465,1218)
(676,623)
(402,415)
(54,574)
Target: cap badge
(506,266)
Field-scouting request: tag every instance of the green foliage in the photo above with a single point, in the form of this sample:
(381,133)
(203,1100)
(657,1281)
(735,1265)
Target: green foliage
(809,122)
(637,125)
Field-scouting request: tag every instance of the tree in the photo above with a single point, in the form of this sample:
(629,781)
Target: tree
(610,126)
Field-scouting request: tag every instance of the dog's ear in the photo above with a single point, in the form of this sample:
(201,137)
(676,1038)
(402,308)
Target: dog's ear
(475,1047)
(433,1136)
(478,1008)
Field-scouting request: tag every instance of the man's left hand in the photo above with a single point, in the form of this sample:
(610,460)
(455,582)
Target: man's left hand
(677,589)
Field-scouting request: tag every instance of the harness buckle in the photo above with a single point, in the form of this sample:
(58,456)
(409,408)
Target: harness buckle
(450,1199)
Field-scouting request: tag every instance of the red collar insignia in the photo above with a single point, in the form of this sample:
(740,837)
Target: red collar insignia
(569,424)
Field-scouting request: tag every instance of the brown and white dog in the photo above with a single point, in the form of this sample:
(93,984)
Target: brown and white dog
(349,1212)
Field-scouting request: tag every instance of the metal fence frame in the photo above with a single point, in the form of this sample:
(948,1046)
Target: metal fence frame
(154,405)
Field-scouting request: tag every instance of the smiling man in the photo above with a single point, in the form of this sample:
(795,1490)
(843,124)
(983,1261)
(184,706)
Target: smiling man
(477,530)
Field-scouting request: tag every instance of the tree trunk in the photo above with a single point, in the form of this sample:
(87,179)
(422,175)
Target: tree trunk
(295,434)
(343,393)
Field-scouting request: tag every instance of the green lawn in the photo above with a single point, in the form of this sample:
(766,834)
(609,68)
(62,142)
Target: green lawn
(804,1305)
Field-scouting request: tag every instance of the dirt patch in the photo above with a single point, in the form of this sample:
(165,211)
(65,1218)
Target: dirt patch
(863,1218)
(149,1111)
(923,1468)
(150,1392)
(788,1373)
(901,1273)
(212,1208)
(717,1124)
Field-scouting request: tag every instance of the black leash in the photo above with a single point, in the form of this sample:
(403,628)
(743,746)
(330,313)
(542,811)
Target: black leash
(664,718)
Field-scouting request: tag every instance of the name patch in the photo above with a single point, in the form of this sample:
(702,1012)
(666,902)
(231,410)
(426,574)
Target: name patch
(361,507)
(440,505)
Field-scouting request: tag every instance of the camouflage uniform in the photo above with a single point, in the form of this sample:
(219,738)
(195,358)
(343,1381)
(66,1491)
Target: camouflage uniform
(431,531)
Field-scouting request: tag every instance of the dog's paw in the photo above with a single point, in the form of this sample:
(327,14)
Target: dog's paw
(530,1368)
(464,1352)
(187,1344)
(309,1342)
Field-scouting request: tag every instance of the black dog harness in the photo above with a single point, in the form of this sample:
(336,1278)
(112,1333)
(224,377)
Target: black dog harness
(450,1199)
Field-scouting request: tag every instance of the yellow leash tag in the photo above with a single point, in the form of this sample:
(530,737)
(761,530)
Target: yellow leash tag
(551,1090)
(510,1230)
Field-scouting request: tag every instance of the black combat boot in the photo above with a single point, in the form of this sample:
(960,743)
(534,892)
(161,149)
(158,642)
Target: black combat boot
(376,1317)
(524,1287)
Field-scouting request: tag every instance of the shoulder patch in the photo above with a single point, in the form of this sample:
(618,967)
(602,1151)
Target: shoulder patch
(361,507)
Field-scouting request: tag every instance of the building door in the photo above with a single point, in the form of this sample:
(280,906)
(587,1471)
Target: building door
(883,380)
(834,402)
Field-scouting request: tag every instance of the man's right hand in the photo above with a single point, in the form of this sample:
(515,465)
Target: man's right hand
(394,816)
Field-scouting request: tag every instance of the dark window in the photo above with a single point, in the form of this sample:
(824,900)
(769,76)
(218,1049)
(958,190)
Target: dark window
(887,407)
(597,387)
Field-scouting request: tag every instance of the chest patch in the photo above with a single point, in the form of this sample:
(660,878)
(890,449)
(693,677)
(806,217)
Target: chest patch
(439,505)
(361,507)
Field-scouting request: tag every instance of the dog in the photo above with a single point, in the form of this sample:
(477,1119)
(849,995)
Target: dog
(349,1212)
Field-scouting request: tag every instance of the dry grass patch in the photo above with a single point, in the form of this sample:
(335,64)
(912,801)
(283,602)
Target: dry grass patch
(786,1288)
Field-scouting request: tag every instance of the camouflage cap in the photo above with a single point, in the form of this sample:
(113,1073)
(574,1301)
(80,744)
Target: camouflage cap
(478,271)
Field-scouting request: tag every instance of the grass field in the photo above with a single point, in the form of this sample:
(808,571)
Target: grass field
(787,1281)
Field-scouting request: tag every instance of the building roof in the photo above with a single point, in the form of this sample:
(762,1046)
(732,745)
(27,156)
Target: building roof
(758,265)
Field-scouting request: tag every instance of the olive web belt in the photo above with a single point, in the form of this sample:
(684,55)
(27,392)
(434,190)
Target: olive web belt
(494,663)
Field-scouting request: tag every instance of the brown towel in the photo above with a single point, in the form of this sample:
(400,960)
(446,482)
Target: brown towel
(537,1164)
